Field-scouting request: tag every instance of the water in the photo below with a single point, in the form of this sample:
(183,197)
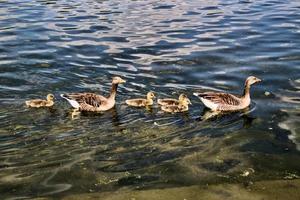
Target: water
(169,47)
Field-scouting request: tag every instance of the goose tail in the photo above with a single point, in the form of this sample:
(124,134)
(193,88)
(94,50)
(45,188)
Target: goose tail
(196,94)
(27,103)
(200,94)
(73,102)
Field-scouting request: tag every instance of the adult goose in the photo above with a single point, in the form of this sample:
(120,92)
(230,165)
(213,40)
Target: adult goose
(228,102)
(93,102)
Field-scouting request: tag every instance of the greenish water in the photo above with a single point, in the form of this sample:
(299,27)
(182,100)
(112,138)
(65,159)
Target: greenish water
(169,47)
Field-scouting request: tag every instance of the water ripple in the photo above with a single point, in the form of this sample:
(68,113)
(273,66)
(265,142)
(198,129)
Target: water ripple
(169,47)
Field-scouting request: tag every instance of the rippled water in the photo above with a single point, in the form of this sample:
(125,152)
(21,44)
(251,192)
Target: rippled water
(170,47)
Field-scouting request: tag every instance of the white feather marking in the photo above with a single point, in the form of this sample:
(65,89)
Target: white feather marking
(27,103)
(209,104)
(73,103)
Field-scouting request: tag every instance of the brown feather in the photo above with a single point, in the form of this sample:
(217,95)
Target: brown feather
(87,98)
(87,101)
(94,102)
(221,98)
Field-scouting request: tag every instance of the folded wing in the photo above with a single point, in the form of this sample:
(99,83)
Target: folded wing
(84,101)
(221,98)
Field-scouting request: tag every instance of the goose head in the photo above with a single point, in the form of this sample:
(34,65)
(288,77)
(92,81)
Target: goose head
(252,80)
(50,97)
(118,80)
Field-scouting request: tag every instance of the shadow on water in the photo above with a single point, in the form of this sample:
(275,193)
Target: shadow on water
(227,117)
(111,114)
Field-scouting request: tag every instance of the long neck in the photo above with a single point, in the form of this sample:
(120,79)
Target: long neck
(246,91)
(113,91)
(149,101)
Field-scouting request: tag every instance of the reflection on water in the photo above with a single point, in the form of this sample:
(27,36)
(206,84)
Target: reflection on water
(292,124)
(292,121)
(169,47)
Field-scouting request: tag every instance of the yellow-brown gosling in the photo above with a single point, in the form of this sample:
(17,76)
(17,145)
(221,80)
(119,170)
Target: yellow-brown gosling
(169,101)
(182,106)
(37,103)
(93,102)
(141,102)
(228,102)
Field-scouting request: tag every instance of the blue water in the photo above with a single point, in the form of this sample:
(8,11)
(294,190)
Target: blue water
(169,47)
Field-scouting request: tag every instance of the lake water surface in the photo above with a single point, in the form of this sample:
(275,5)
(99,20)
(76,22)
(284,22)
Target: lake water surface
(170,47)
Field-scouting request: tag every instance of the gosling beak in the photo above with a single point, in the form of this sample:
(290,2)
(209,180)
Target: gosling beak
(189,102)
(123,81)
(258,80)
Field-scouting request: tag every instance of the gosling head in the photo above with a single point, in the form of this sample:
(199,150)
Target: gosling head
(184,100)
(118,80)
(251,80)
(181,97)
(50,97)
(150,95)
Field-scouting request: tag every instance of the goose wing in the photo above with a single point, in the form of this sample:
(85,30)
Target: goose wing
(85,101)
(220,98)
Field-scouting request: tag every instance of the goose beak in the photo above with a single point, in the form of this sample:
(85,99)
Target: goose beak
(196,94)
(123,81)
(189,102)
(258,80)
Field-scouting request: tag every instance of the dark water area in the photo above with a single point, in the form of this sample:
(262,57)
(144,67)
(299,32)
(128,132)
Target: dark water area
(169,47)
